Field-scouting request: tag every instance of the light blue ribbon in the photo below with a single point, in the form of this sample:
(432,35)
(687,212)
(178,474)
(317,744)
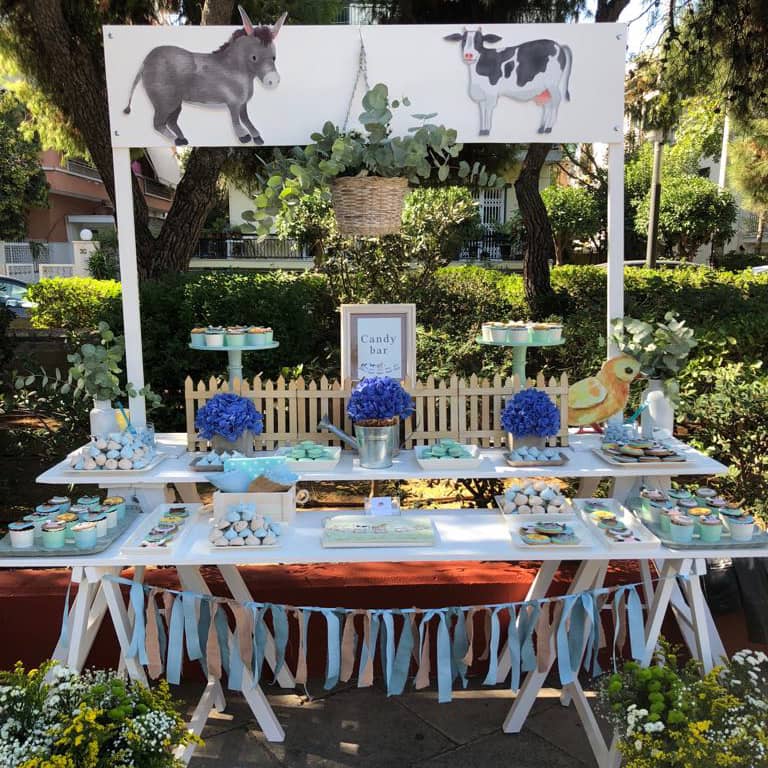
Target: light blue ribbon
(175,642)
(236,666)
(222,635)
(402,663)
(460,646)
(259,640)
(514,645)
(561,637)
(493,648)
(189,601)
(201,633)
(388,646)
(137,648)
(443,652)
(368,651)
(529,616)
(635,622)
(280,630)
(333,662)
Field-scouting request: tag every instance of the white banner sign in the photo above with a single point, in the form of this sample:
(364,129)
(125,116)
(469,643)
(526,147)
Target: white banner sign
(231,86)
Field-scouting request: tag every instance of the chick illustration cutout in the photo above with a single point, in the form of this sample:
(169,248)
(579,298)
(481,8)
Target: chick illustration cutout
(597,398)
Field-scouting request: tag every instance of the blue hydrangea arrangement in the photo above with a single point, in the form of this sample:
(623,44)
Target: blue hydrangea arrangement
(379,399)
(531,413)
(228,416)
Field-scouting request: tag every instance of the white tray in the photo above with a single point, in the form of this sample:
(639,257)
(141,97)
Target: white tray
(94,473)
(616,462)
(350,543)
(473,462)
(315,465)
(643,538)
(567,509)
(132,545)
(586,538)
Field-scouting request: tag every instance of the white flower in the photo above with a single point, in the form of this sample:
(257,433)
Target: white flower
(638,745)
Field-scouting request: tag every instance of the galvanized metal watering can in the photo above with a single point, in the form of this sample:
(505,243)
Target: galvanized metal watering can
(375,445)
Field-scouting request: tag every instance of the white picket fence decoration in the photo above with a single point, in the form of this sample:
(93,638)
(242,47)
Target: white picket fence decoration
(467,410)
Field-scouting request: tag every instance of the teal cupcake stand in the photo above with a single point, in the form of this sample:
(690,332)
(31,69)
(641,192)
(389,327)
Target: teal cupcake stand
(235,356)
(519,352)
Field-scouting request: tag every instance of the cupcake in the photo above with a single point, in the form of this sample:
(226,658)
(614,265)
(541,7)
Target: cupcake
(516,332)
(214,336)
(197,337)
(22,534)
(681,529)
(89,501)
(257,336)
(697,513)
(62,502)
(37,520)
(710,529)
(678,493)
(53,535)
(100,520)
(706,493)
(49,509)
(85,535)
(653,494)
(110,514)
(236,336)
(81,509)
(741,528)
(118,502)
(665,518)
(268,335)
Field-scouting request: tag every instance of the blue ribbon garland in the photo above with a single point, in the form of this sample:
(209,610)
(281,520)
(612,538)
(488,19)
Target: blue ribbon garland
(577,634)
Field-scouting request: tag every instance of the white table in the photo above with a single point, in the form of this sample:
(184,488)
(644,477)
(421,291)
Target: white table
(487,540)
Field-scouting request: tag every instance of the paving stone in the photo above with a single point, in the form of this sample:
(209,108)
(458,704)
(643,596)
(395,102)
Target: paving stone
(474,712)
(561,727)
(521,750)
(355,727)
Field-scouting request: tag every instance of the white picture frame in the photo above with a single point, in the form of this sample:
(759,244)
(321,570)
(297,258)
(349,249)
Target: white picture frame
(378,340)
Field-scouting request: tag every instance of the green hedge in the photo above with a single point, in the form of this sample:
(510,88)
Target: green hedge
(74,303)
(729,312)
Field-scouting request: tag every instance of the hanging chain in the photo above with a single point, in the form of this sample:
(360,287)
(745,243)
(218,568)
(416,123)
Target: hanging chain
(362,68)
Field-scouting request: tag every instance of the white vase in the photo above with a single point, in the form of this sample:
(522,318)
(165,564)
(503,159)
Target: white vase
(243,444)
(103,419)
(659,415)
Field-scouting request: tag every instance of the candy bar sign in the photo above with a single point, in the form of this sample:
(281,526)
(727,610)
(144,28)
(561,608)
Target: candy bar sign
(378,340)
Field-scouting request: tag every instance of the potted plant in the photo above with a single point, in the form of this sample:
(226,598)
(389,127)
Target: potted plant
(668,716)
(662,350)
(230,422)
(529,418)
(376,406)
(96,371)
(53,716)
(368,171)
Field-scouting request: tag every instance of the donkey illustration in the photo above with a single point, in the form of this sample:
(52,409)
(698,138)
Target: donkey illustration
(173,75)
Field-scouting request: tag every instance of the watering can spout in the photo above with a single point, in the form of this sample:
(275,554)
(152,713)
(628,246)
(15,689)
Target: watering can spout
(325,424)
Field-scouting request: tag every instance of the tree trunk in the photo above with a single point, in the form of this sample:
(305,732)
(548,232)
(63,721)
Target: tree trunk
(540,247)
(760,232)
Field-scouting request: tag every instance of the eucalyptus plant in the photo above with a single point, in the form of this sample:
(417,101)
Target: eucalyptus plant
(662,349)
(95,372)
(428,152)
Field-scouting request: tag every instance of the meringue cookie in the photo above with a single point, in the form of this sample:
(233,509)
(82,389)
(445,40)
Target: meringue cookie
(523,509)
(237,542)
(270,540)
(111,464)
(252,541)
(125,464)
(538,510)
(101,459)
(240,525)
(90,463)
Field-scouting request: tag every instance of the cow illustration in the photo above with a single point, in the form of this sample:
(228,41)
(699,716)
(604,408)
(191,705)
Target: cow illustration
(538,70)
(173,75)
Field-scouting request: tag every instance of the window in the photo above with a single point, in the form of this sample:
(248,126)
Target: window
(492,205)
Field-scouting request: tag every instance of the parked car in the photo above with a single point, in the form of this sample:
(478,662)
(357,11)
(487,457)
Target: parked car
(13,294)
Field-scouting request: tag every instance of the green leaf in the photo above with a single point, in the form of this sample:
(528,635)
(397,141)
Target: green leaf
(29,380)
(443,172)
(464,169)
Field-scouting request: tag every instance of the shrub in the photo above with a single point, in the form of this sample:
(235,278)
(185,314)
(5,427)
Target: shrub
(692,212)
(74,303)
(574,213)
(735,261)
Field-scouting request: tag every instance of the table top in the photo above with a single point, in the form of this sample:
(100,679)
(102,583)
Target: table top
(462,535)
(582,462)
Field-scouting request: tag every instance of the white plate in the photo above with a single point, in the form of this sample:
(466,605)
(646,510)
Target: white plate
(92,473)
(617,462)
(473,462)
(641,538)
(132,545)
(585,536)
(567,509)
(315,465)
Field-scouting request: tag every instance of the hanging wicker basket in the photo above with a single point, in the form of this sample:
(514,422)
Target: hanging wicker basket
(368,206)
